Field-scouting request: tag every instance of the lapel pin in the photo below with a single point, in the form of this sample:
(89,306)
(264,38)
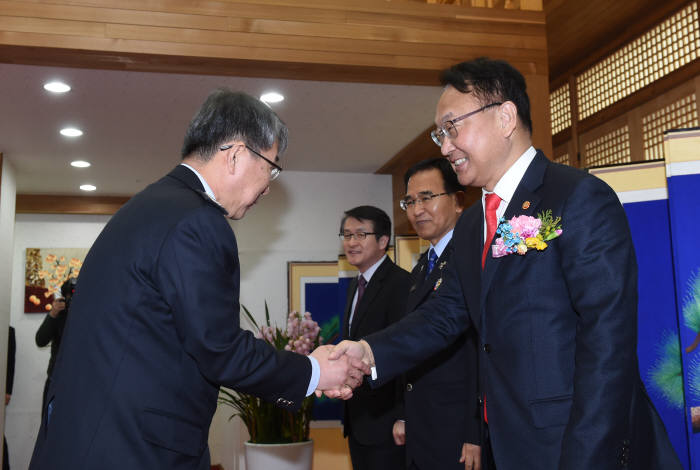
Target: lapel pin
(437,284)
(526,205)
(442,265)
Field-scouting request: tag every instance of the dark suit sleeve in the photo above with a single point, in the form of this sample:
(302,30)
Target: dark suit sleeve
(11,353)
(600,270)
(198,274)
(432,327)
(472,433)
(47,331)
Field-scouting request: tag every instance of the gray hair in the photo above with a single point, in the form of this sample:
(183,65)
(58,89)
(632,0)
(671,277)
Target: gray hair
(229,115)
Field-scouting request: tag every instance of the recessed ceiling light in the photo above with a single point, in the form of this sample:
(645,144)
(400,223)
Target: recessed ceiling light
(88,187)
(71,132)
(271,97)
(56,87)
(80,164)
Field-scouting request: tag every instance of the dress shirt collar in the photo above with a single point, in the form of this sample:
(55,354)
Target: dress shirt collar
(371,270)
(440,247)
(207,188)
(506,186)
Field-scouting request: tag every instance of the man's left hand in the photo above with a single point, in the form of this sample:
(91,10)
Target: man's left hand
(471,456)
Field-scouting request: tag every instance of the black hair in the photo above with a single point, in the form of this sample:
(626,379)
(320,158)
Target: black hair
(491,81)
(449,177)
(381,223)
(228,115)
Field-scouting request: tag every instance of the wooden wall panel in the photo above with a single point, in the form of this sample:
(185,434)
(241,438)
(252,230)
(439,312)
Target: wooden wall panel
(53,204)
(375,39)
(398,41)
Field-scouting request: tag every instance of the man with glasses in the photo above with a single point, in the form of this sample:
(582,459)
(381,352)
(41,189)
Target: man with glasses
(439,430)
(556,316)
(154,327)
(376,298)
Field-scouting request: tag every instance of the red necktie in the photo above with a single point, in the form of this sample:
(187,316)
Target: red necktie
(492,203)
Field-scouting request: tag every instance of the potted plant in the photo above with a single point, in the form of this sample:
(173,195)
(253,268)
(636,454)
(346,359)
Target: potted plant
(278,438)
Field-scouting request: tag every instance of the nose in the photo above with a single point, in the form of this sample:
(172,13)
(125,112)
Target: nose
(446,146)
(418,208)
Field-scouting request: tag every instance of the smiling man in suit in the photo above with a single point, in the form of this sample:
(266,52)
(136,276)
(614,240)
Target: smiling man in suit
(376,299)
(440,430)
(557,324)
(154,326)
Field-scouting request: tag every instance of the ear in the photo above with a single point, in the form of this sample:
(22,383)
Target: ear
(383,242)
(508,118)
(459,201)
(231,157)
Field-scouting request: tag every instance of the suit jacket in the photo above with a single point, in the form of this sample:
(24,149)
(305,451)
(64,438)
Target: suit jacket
(557,331)
(440,395)
(152,333)
(370,413)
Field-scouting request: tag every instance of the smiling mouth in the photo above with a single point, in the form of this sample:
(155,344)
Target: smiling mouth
(459,162)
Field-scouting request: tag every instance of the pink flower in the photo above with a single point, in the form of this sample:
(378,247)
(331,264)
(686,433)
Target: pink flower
(525,225)
(498,249)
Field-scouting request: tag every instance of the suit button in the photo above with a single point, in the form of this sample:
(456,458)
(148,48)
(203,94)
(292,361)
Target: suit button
(409,387)
(280,401)
(487,348)
(290,403)
(480,401)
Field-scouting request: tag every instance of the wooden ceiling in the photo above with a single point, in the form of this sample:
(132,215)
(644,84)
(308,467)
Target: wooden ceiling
(580,32)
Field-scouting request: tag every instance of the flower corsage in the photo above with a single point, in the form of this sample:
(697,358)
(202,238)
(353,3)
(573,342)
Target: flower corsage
(524,232)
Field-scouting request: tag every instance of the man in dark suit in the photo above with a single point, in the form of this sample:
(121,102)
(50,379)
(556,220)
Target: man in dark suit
(153,329)
(440,430)
(556,323)
(376,299)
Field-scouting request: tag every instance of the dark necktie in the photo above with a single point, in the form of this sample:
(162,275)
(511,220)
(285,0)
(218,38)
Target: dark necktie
(432,258)
(492,203)
(361,285)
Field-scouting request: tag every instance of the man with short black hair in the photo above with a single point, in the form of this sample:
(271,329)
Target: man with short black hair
(545,272)
(376,299)
(440,430)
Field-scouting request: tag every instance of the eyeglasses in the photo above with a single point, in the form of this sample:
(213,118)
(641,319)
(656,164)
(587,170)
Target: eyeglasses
(448,128)
(359,236)
(274,171)
(422,199)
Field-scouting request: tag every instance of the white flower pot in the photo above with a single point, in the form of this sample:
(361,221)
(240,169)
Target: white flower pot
(292,456)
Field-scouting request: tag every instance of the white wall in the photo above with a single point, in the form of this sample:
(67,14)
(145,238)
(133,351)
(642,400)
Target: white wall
(7,218)
(297,221)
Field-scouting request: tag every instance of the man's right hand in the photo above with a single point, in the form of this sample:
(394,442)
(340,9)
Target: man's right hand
(338,377)
(57,306)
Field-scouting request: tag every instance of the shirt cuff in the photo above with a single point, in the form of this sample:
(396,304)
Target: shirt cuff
(315,375)
(374,373)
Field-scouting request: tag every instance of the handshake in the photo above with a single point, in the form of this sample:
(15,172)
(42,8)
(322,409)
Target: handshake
(343,367)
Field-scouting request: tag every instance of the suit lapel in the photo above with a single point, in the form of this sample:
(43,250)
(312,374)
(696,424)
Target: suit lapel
(373,287)
(524,202)
(467,242)
(424,287)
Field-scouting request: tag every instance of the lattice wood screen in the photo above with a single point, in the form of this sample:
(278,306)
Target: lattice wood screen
(609,149)
(560,107)
(679,114)
(663,49)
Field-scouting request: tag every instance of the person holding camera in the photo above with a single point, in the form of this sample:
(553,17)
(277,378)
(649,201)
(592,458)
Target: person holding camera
(51,330)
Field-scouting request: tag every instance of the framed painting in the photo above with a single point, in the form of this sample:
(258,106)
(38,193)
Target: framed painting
(46,269)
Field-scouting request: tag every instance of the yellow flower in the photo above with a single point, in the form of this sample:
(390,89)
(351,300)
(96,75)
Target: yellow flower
(50,258)
(74,263)
(62,259)
(541,245)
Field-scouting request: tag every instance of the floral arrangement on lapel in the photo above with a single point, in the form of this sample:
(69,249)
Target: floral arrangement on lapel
(266,423)
(524,232)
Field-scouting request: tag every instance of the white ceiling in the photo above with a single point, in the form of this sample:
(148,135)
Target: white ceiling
(134,122)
